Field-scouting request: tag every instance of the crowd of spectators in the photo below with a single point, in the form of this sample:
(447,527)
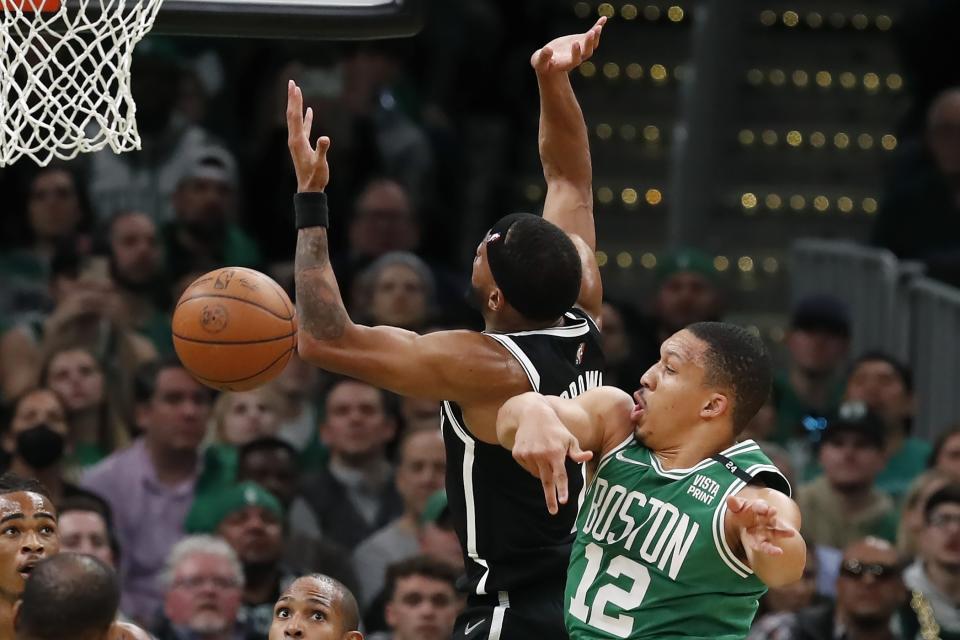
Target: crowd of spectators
(210,505)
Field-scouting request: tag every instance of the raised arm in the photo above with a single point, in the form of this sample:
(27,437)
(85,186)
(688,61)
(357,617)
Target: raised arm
(462,366)
(565,152)
(543,431)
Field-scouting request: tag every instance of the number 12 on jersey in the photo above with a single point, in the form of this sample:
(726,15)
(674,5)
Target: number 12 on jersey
(595,615)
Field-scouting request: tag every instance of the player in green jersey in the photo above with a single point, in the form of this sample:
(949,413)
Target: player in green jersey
(681,528)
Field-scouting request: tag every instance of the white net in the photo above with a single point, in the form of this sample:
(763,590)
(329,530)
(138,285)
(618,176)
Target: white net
(65,76)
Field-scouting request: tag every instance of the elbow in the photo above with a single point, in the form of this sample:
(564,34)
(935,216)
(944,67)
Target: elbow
(320,353)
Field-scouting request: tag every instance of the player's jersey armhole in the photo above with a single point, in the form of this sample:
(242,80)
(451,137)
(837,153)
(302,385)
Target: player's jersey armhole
(514,349)
(772,478)
(580,312)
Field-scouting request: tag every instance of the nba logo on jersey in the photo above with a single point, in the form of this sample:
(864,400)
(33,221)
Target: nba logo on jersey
(580,351)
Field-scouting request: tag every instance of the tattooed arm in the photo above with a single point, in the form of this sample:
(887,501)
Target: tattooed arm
(565,153)
(462,366)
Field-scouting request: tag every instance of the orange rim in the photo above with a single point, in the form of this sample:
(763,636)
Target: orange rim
(31,6)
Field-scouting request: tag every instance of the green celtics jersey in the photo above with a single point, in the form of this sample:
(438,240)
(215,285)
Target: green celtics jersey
(650,558)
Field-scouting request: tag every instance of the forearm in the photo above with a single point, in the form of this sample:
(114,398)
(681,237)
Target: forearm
(320,310)
(564,146)
(565,155)
(520,410)
(780,570)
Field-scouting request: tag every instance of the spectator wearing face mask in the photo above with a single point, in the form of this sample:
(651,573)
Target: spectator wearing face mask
(36,442)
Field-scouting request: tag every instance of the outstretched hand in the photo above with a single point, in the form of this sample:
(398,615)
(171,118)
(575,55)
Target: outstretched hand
(309,161)
(568,52)
(543,449)
(759,525)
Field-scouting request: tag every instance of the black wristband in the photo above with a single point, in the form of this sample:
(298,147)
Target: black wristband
(310,210)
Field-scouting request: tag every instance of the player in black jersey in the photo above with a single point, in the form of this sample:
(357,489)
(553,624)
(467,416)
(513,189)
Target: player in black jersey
(537,284)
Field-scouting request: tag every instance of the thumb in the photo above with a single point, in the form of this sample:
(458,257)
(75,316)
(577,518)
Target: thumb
(577,454)
(323,144)
(544,56)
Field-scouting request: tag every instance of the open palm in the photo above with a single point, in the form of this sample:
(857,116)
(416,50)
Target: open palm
(568,52)
(759,525)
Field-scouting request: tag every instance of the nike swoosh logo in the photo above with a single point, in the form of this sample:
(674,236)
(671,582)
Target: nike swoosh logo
(471,626)
(623,458)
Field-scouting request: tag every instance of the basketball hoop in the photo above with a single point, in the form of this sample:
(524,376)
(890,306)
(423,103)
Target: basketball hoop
(65,76)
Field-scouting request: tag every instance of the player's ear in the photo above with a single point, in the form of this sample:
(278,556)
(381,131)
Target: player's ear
(717,404)
(353,635)
(496,300)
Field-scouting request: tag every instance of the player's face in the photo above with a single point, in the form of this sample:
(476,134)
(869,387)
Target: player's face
(28,534)
(423,463)
(399,298)
(135,248)
(482,283)
(274,470)
(422,608)
(205,595)
(86,532)
(861,592)
(357,423)
(175,418)
(310,610)
(672,394)
(877,384)
(255,533)
(249,416)
(77,377)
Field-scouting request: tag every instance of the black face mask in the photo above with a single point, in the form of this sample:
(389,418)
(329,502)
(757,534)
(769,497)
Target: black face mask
(40,446)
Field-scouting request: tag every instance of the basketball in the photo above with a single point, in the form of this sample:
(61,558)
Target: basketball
(234,329)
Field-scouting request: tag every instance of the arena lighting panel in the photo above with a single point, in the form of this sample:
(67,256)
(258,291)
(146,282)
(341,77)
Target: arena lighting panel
(302,19)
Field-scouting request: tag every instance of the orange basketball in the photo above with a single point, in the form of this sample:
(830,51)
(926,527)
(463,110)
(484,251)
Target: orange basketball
(234,329)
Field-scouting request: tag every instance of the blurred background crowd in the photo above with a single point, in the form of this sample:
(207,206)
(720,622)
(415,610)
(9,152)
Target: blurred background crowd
(209,504)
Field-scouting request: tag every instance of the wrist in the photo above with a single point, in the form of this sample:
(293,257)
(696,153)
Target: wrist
(310,209)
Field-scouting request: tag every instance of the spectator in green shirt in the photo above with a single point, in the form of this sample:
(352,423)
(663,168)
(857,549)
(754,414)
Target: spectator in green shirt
(203,234)
(812,384)
(885,385)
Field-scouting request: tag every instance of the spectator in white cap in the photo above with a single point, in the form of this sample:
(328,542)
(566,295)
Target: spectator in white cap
(203,233)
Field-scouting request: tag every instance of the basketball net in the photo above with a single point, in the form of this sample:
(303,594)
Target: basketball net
(65,76)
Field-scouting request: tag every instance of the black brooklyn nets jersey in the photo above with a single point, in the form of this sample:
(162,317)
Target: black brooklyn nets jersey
(508,537)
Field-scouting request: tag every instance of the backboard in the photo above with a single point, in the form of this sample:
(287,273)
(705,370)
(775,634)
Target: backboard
(303,19)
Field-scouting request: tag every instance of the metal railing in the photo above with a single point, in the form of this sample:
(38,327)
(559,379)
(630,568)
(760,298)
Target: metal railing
(893,308)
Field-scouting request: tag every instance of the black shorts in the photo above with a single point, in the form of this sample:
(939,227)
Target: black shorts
(531,613)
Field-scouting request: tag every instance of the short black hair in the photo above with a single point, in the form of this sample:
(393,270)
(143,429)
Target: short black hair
(68,595)
(425,566)
(387,399)
(536,266)
(12,483)
(902,370)
(266,443)
(93,503)
(949,494)
(736,360)
(145,378)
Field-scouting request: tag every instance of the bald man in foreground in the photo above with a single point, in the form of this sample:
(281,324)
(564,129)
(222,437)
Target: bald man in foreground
(72,596)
